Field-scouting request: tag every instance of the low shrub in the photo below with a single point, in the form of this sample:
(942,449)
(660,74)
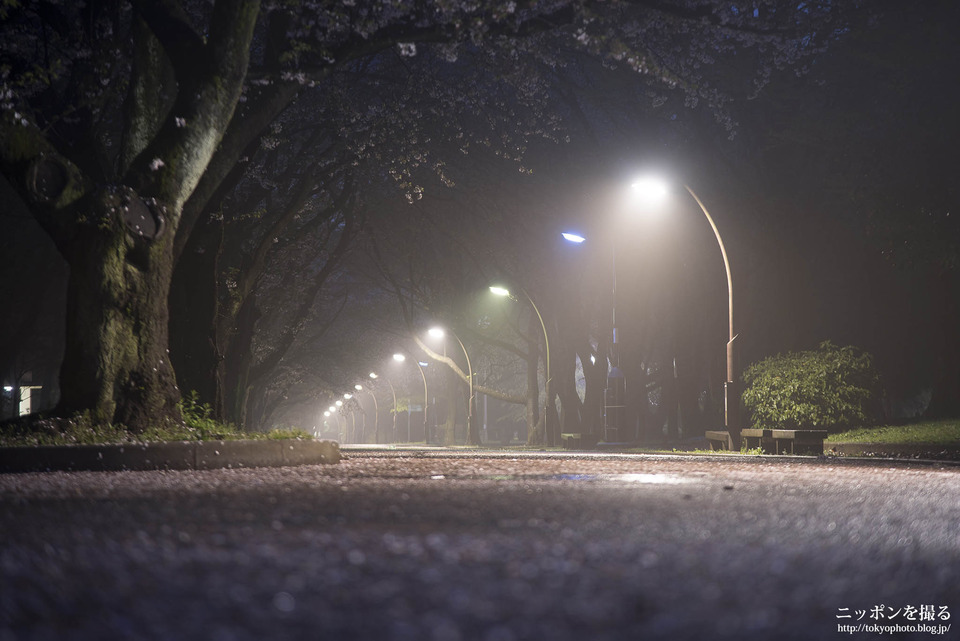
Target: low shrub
(832,388)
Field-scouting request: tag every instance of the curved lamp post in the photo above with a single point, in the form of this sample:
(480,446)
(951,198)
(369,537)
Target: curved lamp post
(439,332)
(353,415)
(375,376)
(332,411)
(426,398)
(376,411)
(651,187)
(337,409)
(502,291)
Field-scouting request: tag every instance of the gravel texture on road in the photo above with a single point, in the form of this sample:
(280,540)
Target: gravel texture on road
(432,546)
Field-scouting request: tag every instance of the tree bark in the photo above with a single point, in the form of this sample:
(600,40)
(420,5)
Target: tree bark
(118,239)
(116,363)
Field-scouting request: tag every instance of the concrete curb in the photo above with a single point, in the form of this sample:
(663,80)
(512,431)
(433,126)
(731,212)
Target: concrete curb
(180,455)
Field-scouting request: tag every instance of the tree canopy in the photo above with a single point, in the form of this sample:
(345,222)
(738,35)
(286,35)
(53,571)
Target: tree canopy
(139,133)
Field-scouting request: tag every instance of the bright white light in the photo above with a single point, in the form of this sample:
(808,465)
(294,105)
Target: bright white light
(423,364)
(573,238)
(593,359)
(658,479)
(500,291)
(332,408)
(399,358)
(437,332)
(7,388)
(339,403)
(327,414)
(358,387)
(650,188)
(373,374)
(348,396)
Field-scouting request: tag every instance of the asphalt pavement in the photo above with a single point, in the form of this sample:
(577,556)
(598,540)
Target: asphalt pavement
(438,545)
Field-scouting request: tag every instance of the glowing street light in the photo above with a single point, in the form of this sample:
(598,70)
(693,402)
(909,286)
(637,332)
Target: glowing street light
(439,332)
(332,411)
(572,237)
(399,357)
(499,290)
(376,410)
(652,188)
(353,415)
(375,376)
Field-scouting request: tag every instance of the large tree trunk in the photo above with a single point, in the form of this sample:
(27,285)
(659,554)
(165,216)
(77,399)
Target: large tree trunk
(116,363)
(118,239)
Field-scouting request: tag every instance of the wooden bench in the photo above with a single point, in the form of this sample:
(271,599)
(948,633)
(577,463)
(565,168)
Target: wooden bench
(571,441)
(804,440)
(718,440)
(757,439)
(771,441)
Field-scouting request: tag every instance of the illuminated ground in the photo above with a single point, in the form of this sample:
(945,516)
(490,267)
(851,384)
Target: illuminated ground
(432,545)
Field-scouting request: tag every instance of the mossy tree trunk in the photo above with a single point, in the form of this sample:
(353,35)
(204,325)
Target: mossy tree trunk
(116,363)
(118,238)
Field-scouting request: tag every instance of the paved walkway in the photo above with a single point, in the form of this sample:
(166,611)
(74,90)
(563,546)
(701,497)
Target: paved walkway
(428,544)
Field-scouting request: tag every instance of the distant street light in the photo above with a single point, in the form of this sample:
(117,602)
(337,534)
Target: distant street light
(374,376)
(426,398)
(376,412)
(503,291)
(353,416)
(336,414)
(439,332)
(652,188)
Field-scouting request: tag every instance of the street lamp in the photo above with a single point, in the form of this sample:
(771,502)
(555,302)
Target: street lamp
(376,413)
(439,332)
(503,291)
(375,376)
(334,410)
(353,416)
(614,397)
(651,187)
(426,398)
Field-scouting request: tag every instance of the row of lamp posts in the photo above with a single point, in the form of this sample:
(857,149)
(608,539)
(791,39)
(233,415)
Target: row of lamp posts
(440,333)
(651,189)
